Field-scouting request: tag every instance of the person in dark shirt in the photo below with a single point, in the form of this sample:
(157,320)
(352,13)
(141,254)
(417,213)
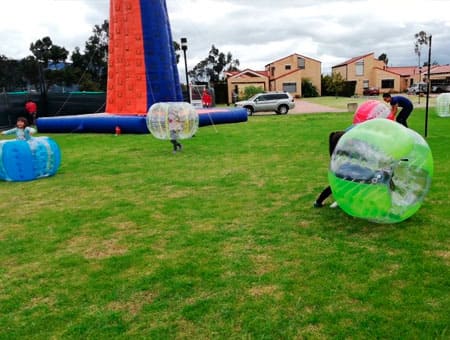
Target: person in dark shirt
(333,139)
(396,102)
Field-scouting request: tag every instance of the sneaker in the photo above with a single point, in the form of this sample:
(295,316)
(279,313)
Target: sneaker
(334,205)
(317,205)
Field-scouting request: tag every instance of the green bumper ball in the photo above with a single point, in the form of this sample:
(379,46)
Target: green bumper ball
(381,171)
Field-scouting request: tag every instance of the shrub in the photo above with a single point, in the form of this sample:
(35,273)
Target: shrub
(250,91)
(308,89)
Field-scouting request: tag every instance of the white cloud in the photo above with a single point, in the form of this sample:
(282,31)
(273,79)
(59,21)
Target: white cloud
(255,31)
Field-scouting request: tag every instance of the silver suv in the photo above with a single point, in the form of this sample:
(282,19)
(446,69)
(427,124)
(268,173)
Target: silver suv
(280,102)
(417,88)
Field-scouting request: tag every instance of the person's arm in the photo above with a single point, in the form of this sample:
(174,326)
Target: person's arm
(9,132)
(28,132)
(394,110)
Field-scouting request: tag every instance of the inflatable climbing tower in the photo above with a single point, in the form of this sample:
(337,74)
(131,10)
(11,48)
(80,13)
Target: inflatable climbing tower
(142,67)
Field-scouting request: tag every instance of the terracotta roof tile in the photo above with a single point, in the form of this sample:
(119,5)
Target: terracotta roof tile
(352,60)
(437,69)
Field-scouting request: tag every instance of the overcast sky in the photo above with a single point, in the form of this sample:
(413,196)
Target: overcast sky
(255,31)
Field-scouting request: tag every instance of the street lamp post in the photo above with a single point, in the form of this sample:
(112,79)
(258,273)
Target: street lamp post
(420,79)
(428,86)
(184,48)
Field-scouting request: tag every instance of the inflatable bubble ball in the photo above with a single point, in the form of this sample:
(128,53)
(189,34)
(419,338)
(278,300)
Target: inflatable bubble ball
(172,120)
(443,105)
(371,109)
(26,160)
(381,171)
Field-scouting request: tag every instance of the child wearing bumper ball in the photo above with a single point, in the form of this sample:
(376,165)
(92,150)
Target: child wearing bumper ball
(175,127)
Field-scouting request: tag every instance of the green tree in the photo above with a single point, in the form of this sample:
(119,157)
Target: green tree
(41,51)
(10,76)
(383,57)
(421,39)
(177,49)
(308,89)
(211,68)
(250,91)
(46,54)
(332,85)
(29,67)
(91,66)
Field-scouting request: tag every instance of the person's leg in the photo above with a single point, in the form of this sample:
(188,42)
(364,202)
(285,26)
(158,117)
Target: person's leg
(333,139)
(403,116)
(322,197)
(175,144)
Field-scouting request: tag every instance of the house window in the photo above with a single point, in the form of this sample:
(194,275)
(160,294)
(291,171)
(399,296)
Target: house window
(287,67)
(272,71)
(359,68)
(365,84)
(290,87)
(387,84)
(301,63)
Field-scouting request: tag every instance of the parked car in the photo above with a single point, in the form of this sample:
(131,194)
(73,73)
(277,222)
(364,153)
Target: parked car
(280,102)
(371,91)
(440,88)
(417,88)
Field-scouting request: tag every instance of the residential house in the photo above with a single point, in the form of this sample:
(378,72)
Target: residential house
(237,81)
(285,74)
(439,75)
(409,75)
(367,71)
(370,72)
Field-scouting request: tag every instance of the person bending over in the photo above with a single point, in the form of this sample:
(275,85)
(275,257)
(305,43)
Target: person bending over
(396,102)
(332,142)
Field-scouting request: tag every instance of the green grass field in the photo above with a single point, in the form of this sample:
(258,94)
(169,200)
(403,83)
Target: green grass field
(129,241)
(341,102)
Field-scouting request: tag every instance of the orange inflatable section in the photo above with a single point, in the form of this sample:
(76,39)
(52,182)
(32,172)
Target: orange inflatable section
(127,86)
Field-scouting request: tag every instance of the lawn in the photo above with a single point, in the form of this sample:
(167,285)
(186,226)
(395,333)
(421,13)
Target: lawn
(219,241)
(341,102)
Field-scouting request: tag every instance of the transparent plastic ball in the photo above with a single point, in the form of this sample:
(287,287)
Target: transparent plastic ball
(172,120)
(381,171)
(443,105)
(371,109)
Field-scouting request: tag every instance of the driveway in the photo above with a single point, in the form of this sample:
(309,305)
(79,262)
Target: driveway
(304,107)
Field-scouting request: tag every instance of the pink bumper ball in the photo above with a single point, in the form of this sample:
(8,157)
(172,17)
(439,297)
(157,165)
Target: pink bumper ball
(372,109)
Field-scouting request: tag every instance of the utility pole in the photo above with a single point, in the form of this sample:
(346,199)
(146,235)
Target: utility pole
(428,86)
(184,47)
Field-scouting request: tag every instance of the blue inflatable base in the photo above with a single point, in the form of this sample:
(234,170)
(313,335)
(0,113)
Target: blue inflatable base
(96,122)
(106,123)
